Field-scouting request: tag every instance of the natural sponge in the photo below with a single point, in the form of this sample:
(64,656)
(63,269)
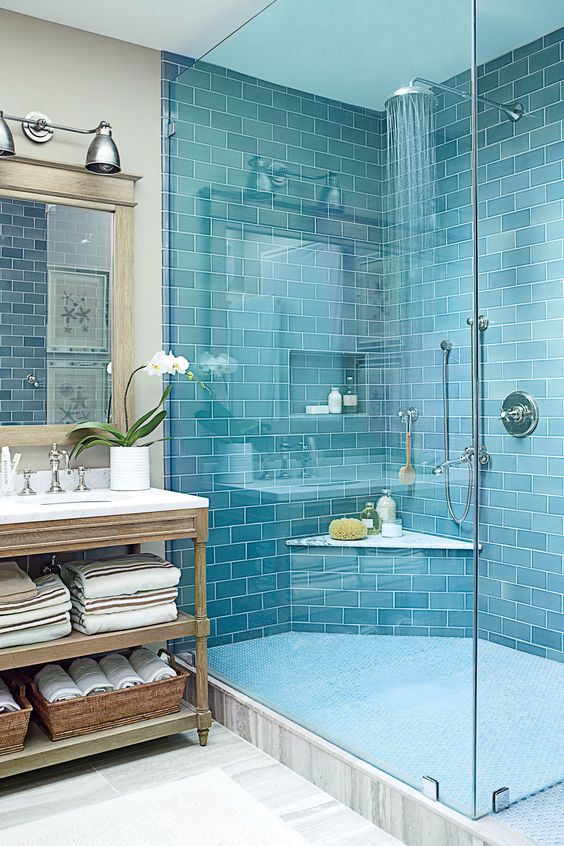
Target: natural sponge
(347,528)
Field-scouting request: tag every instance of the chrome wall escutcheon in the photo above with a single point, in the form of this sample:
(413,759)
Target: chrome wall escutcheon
(519,414)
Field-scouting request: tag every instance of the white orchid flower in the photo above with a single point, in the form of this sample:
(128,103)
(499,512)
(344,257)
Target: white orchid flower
(159,364)
(179,364)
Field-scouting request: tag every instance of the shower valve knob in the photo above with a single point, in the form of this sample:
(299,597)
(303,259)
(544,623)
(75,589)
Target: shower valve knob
(519,414)
(516,414)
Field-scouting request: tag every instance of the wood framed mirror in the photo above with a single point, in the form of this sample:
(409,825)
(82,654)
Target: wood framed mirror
(66,298)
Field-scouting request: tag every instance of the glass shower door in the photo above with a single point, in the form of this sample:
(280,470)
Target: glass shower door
(520,720)
(317,234)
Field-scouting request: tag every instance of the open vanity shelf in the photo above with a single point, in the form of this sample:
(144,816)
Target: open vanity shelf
(77,644)
(148,516)
(41,752)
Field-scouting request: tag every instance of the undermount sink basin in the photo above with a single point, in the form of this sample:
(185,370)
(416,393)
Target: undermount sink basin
(73,498)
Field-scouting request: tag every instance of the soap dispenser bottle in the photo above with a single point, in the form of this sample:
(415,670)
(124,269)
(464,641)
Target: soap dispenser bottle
(350,397)
(370,518)
(386,507)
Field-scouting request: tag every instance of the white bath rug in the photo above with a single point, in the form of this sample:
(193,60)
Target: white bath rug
(207,809)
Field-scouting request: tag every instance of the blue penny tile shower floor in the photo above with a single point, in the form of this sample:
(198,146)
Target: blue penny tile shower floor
(540,817)
(405,705)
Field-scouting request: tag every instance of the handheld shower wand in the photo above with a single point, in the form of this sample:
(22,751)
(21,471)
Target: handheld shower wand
(467,455)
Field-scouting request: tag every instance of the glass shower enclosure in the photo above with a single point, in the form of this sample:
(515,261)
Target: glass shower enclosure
(368,197)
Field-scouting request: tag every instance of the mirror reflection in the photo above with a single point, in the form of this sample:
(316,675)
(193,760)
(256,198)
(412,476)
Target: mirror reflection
(55,276)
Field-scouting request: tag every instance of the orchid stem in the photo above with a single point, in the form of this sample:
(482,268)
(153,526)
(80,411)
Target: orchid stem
(137,369)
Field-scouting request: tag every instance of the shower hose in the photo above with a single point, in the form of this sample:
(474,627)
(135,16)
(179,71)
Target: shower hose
(458,520)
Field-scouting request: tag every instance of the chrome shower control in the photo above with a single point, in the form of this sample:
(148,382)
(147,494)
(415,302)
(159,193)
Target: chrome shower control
(519,414)
(483,455)
(483,322)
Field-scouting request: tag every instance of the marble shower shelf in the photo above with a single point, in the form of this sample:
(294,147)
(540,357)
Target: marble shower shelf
(409,540)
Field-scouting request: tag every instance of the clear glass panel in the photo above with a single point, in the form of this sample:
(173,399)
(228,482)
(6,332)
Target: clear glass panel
(520,651)
(314,239)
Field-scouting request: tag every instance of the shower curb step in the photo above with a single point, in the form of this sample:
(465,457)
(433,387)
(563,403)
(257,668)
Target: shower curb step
(388,803)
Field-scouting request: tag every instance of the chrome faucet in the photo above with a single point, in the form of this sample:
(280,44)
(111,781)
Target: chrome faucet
(56,455)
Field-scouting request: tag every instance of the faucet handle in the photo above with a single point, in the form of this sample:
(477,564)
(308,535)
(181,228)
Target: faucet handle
(27,489)
(82,486)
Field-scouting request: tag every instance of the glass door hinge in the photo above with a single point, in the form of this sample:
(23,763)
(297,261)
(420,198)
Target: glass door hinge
(430,788)
(171,129)
(500,800)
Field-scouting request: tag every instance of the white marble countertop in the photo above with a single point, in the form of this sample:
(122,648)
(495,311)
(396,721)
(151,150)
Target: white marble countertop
(94,503)
(409,540)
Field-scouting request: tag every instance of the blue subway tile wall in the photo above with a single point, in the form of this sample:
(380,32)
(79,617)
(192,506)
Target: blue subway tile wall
(23,304)
(521,291)
(276,295)
(401,592)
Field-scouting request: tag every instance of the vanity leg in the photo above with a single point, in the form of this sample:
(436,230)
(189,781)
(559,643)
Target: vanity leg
(202,631)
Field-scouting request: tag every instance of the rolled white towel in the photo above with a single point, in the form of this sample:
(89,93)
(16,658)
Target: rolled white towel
(55,685)
(150,667)
(7,702)
(119,671)
(88,676)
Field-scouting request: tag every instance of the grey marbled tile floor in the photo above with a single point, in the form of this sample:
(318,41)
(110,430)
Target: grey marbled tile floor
(318,817)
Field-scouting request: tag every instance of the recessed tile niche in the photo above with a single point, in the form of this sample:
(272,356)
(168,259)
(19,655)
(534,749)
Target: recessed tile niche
(312,374)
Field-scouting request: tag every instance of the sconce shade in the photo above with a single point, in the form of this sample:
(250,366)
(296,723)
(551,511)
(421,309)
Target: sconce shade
(103,156)
(331,193)
(7,147)
(264,182)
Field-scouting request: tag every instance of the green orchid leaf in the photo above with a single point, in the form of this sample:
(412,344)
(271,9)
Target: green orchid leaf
(86,443)
(145,430)
(158,441)
(143,419)
(105,427)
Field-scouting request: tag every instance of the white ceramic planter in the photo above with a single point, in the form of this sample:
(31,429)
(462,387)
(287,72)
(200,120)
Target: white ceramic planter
(129,469)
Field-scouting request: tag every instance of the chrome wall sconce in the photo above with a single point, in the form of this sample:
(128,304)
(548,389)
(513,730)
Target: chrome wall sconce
(102,156)
(271,175)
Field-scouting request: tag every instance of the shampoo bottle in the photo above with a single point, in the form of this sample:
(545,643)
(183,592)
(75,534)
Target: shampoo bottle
(350,398)
(335,401)
(386,507)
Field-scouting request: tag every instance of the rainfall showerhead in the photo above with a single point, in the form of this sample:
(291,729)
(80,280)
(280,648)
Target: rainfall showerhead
(409,90)
(420,86)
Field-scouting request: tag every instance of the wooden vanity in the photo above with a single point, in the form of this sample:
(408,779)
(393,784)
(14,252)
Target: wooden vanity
(143,517)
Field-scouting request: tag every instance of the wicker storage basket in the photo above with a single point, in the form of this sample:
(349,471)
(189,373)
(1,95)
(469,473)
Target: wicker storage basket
(13,727)
(76,717)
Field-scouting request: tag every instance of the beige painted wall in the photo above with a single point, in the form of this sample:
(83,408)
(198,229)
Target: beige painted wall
(78,79)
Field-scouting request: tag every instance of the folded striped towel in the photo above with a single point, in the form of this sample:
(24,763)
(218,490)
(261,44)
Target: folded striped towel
(119,671)
(37,634)
(123,574)
(91,624)
(56,616)
(7,702)
(39,617)
(55,685)
(88,676)
(15,585)
(49,590)
(150,667)
(125,602)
